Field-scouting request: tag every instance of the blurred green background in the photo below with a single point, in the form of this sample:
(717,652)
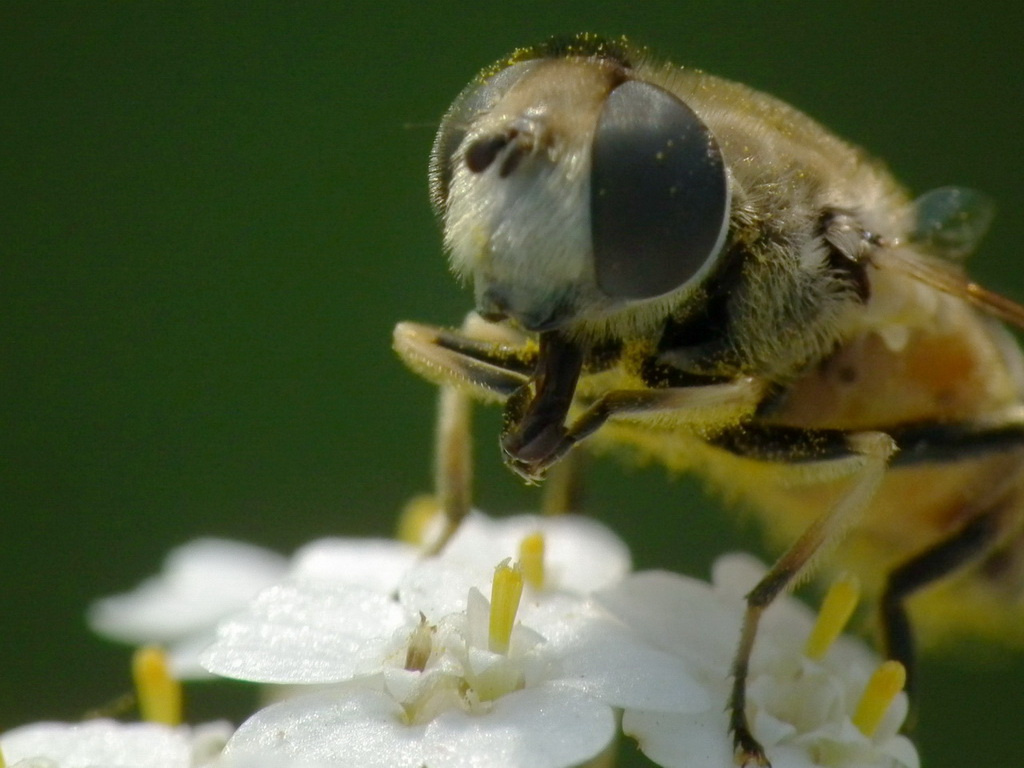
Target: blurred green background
(213,215)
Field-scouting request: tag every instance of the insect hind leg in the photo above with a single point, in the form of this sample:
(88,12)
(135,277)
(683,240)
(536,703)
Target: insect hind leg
(968,545)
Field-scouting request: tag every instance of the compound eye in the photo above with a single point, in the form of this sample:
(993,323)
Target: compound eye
(659,195)
(476,99)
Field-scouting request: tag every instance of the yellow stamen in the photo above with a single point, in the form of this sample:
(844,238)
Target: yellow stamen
(158,693)
(836,610)
(416,518)
(3,763)
(882,688)
(531,559)
(506,590)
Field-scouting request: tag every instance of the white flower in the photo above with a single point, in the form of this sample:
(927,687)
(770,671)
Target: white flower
(438,675)
(208,580)
(801,709)
(201,583)
(338,601)
(109,744)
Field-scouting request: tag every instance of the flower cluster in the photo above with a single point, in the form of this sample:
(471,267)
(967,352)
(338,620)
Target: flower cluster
(527,642)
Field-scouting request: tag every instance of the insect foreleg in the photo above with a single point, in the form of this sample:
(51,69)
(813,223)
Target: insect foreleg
(683,406)
(478,361)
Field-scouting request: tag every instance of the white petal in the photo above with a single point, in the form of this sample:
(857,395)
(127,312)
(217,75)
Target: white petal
(681,741)
(771,730)
(476,626)
(606,660)
(678,614)
(902,750)
(787,622)
(697,741)
(208,741)
(356,729)
(736,573)
(894,716)
(307,632)
(787,756)
(479,540)
(183,656)
(540,728)
(438,587)
(377,564)
(201,582)
(581,554)
(101,743)
(690,618)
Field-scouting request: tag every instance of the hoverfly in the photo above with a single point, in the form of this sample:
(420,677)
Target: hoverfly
(678,264)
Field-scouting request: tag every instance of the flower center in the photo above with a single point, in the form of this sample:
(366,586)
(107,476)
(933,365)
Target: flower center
(483,671)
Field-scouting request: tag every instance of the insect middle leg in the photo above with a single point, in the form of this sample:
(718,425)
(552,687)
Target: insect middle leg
(985,525)
(861,455)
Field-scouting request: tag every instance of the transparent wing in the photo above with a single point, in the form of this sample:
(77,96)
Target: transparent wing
(947,225)
(950,222)
(949,279)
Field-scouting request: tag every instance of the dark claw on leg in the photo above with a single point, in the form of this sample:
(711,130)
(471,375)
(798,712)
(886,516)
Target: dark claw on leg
(748,750)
